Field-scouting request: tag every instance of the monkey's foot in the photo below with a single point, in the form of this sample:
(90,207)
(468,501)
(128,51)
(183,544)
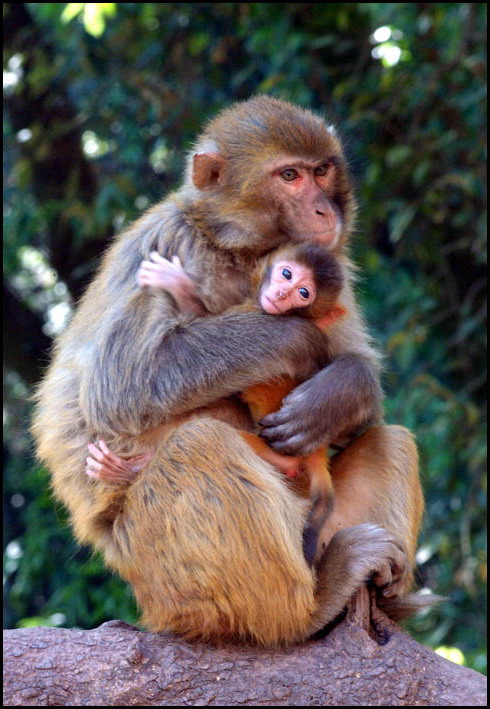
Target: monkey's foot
(354,556)
(109,467)
(376,556)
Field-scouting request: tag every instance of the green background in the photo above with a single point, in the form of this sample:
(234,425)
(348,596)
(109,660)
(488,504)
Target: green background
(102,101)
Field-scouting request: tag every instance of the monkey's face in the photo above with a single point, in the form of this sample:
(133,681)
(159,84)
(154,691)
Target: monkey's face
(290,285)
(271,173)
(304,194)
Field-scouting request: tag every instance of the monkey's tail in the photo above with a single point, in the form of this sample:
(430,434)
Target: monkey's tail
(322,499)
(402,607)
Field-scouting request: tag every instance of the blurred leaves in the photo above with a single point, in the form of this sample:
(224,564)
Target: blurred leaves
(103,100)
(94,14)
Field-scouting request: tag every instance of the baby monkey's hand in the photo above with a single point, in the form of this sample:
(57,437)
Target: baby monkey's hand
(159,272)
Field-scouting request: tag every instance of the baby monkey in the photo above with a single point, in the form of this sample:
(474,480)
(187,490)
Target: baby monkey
(301,279)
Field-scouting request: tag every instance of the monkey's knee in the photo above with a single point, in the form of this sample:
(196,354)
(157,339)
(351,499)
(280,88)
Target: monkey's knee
(387,452)
(401,443)
(389,437)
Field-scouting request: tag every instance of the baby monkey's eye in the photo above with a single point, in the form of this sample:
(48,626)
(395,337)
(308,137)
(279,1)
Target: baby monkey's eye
(304,293)
(287,273)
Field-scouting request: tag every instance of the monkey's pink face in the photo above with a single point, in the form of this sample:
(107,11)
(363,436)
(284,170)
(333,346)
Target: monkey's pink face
(291,285)
(306,191)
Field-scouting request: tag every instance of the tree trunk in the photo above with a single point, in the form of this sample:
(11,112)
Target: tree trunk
(360,662)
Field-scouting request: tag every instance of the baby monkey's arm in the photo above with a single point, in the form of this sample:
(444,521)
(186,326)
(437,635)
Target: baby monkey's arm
(158,272)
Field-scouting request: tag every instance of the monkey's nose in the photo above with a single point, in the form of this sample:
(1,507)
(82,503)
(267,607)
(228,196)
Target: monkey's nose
(281,294)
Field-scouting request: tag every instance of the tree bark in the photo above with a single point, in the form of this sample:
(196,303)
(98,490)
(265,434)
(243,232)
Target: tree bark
(358,663)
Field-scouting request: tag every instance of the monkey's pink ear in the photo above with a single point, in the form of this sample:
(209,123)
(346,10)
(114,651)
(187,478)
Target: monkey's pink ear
(207,170)
(335,313)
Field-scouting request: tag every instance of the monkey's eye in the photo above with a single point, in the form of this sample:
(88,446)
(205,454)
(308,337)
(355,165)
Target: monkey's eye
(289,174)
(322,170)
(304,293)
(286,273)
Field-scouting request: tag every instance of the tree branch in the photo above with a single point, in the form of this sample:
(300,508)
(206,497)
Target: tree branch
(118,665)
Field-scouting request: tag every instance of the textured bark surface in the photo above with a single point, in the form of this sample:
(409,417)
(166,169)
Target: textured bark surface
(358,663)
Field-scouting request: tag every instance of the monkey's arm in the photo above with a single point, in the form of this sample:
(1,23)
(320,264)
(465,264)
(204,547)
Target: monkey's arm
(149,368)
(342,399)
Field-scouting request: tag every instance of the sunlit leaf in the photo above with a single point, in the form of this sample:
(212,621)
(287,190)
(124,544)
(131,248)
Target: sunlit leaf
(71,10)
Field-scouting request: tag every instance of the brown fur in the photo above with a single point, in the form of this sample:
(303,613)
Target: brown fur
(209,535)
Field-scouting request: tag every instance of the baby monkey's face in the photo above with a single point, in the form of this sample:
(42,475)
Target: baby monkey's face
(291,285)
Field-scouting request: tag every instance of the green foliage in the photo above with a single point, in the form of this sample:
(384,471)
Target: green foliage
(103,100)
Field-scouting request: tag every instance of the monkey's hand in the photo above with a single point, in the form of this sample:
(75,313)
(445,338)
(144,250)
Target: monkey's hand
(104,465)
(337,401)
(167,275)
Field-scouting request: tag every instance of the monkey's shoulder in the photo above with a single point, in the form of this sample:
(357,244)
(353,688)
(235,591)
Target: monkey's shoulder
(219,281)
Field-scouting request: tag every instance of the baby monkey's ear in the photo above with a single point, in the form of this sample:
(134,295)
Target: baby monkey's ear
(335,313)
(207,170)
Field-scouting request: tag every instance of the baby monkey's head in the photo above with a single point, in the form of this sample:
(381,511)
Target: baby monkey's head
(303,278)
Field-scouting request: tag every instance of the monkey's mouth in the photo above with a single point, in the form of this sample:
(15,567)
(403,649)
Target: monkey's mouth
(273,306)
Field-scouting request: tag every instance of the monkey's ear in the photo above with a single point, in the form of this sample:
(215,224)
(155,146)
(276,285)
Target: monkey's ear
(335,313)
(207,170)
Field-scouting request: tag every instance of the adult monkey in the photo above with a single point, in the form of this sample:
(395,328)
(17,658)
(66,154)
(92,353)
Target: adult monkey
(210,536)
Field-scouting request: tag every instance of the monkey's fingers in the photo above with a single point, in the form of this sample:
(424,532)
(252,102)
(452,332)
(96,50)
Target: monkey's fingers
(107,459)
(273,428)
(284,440)
(289,433)
(132,464)
(95,451)
(150,267)
(144,279)
(155,256)
(165,281)
(108,473)
(273,419)
(138,462)
(167,272)
(103,454)
(164,264)
(175,263)
(103,468)
(104,447)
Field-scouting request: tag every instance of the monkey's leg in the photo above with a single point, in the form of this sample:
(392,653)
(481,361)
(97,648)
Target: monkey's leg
(285,463)
(210,538)
(321,487)
(321,497)
(376,480)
